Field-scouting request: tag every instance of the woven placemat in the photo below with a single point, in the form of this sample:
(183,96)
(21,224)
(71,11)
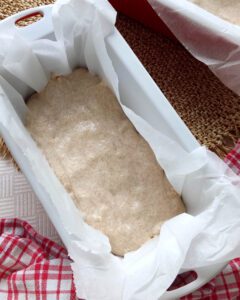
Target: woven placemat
(210,110)
(10,7)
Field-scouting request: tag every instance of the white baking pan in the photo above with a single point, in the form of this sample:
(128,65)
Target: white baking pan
(139,92)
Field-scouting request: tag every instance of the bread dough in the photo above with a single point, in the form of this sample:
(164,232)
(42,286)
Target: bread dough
(228,10)
(106,166)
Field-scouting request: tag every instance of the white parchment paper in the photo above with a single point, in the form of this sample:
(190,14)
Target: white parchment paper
(210,39)
(208,234)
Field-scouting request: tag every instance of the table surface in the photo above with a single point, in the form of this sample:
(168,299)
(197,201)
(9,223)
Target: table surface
(17,199)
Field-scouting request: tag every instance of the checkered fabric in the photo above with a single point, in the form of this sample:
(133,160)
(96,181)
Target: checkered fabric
(34,267)
(233,159)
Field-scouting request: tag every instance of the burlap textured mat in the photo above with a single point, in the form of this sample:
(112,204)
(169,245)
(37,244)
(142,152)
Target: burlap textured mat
(10,7)
(210,110)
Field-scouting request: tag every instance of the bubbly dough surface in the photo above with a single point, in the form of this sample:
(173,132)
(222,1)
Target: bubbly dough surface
(228,10)
(106,166)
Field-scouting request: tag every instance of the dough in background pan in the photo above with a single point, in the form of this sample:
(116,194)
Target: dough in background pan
(228,10)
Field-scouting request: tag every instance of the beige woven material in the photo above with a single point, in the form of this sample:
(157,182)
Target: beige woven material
(10,7)
(210,110)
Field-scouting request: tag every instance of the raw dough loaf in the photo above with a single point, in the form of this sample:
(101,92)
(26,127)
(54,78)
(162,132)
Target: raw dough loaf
(228,10)
(106,166)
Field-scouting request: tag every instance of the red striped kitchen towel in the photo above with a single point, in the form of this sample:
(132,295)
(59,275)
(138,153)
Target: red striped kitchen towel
(34,267)
(233,159)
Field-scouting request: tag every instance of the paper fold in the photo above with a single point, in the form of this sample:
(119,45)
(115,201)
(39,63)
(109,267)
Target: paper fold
(212,40)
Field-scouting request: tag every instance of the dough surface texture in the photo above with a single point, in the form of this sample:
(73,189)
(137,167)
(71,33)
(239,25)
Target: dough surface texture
(107,167)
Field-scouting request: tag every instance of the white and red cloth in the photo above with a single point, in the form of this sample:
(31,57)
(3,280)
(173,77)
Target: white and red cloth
(233,159)
(34,267)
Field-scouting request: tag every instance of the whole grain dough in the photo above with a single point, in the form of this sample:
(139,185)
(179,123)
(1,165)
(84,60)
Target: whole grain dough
(106,166)
(228,10)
